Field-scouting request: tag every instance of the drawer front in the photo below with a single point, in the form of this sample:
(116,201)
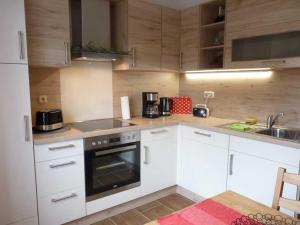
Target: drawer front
(277,153)
(62,207)
(159,133)
(58,175)
(205,136)
(58,150)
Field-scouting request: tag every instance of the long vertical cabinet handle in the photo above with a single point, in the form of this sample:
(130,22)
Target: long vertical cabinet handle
(27,128)
(180,59)
(231,164)
(133,57)
(66,52)
(297,215)
(146,159)
(21,45)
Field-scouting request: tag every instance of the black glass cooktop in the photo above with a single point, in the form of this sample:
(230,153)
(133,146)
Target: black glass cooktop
(105,124)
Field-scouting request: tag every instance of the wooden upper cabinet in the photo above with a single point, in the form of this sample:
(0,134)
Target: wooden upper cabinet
(48,32)
(136,27)
(262,33)
(170,39)
(190,38)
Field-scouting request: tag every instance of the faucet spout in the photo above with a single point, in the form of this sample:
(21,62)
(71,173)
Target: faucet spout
(271,120)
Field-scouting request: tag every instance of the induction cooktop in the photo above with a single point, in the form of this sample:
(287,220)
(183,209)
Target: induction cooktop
(103,124)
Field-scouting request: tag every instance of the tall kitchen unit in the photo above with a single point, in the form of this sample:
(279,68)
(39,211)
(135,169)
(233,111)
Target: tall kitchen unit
(18,204)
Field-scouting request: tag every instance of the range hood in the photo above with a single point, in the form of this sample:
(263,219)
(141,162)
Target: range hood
(90,31)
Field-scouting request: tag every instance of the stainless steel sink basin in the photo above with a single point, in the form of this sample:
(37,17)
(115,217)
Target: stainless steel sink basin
(284,133)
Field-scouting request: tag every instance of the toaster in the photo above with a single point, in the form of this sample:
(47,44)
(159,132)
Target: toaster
(49,120)
(201,110)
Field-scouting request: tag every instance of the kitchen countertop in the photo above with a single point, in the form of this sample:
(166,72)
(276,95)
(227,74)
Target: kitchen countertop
(210,124)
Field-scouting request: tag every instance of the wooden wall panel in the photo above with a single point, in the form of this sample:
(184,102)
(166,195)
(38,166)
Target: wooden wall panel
(132,84)
(237,99)
(44,81)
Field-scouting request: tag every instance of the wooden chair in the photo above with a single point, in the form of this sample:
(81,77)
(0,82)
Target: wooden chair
(278,200)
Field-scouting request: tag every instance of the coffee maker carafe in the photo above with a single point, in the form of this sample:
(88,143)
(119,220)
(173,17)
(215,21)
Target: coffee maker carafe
(150,105)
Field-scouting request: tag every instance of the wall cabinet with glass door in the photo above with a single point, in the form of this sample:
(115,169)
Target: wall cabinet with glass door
(262,34)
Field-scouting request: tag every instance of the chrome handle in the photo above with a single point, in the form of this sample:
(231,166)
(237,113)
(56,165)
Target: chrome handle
(146,160)
(180,59)
(297,215)
(21,47)
(66,52)
(133,57)
(62,165)
(231,164)
(61,147)
(122,149)
(55,200)
(202,134)
(274,61)
(27,128)
(159,132)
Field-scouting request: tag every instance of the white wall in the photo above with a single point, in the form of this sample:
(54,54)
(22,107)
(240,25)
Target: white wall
(86,91)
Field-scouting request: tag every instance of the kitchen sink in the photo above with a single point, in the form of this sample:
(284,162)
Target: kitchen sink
(283,133)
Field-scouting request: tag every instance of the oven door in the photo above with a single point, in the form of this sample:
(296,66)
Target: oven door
(111,170)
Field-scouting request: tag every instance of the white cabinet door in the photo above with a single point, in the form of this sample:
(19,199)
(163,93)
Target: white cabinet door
(255,177)
(17,180)
(13,32)
(158,161)
(203,168)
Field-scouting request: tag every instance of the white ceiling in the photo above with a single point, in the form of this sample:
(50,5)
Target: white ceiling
(177,4)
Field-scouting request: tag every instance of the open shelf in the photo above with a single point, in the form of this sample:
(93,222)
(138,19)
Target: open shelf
(213,26)
(215,47)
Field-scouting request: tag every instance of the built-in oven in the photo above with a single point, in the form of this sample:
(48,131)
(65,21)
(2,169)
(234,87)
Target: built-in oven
(112,164)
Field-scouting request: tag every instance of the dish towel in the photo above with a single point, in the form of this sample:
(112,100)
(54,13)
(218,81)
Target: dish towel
(207,212)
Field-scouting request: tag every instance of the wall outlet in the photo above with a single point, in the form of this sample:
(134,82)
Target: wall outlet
(43,99)
(209,94)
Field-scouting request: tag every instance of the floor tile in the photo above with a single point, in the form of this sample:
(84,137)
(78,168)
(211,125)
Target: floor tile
(105,222)
(132,217)
(175,202)
(157,210)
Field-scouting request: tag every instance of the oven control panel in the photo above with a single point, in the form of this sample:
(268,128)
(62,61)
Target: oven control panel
(111,140)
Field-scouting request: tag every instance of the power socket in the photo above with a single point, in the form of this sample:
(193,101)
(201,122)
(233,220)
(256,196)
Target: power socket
(209,94)
(43,99)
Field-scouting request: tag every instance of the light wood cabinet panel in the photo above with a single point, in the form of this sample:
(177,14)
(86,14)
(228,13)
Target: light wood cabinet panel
(190,38)
(48,31)
(254,18)
(13,32)
(136,25)
(144,34)
(170,39)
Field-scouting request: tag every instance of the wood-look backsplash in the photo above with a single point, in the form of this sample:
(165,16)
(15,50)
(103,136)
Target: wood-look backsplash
(237,99)
(44,81)
(132,84)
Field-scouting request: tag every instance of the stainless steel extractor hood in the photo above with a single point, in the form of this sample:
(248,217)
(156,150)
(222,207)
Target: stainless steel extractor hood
(90,31)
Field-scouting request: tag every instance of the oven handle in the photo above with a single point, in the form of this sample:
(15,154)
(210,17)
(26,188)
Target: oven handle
(122,149)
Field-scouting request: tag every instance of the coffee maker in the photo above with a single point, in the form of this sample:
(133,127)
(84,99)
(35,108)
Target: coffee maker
(150,105)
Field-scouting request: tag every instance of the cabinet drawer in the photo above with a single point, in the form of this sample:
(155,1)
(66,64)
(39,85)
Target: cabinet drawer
(204,136)
(58,150)
(159,133)
(62,207)
(59,175)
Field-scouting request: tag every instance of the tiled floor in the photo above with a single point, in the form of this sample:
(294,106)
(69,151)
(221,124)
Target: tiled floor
(149,212)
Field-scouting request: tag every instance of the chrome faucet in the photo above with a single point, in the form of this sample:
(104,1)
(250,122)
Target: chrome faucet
(271,120)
